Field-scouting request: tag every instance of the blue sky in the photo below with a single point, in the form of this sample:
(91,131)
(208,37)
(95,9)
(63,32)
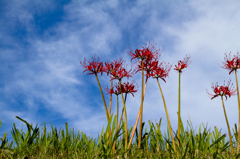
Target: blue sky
(41,43)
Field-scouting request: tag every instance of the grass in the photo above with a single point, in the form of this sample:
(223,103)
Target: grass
(56,144)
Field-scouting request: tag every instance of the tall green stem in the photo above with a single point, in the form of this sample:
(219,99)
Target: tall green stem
(117,114)
(125,113)
(122,112)
(110,102)
(238,112)
(103,97)
(140,130)
(120,119)
(230,136)
(116,131)
(136,122)
(170,127)
(108,115)
(179,110)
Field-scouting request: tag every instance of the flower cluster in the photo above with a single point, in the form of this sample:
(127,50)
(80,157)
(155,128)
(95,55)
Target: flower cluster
(182,64)
(117,90)
(231,64)
(129,88)
(146,53)
(120,73)
(149,56)
(222,90)
(94,66)
(162,71)
(117,70)
(113,66)
(148,66)
(125,88)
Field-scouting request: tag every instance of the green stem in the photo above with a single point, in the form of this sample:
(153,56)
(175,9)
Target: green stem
(125,113)
(108,115)
(110,102)
(103,97)
(230,136)
(136,123)
(120,119)
(140,130)
(170,127)
(238,112)
(117,114)
(122,112)
(179,110)
(125,98)
(116,131)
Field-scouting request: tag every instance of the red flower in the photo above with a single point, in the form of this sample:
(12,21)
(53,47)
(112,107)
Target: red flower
(162,71)
(113,66)
(231,64)
(148,52)
(129,88)
(222,90)
(94,66)
(148,67)
(117,90)
(120,73)
(182,64)
(126,88)
(110,91)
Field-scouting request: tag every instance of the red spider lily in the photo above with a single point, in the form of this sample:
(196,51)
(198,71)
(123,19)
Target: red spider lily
(231,64)
(162,71)
(153,50)
(222,90)
(120,73)
(94,66)
(125,87)
(129,88)
(117,90)
(113,66)
(182,64)
(148,52)
(148,67)
(110,91)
